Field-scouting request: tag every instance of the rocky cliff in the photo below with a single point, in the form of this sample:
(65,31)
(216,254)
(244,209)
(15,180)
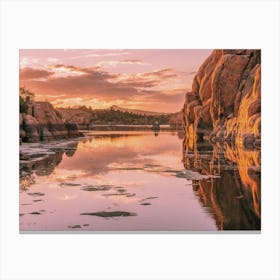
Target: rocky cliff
(225,100)
(42,122)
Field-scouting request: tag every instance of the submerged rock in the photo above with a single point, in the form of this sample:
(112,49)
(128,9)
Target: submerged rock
(97,188)
(75,226)
(70,184)
(36,194)
(105,214)
(35,213)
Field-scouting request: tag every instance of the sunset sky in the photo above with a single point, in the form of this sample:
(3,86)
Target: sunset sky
(154,80)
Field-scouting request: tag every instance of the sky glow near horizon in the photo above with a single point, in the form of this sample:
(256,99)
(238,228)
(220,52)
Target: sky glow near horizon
(152,80)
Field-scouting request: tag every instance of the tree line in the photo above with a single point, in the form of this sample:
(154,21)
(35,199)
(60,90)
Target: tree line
(126,118)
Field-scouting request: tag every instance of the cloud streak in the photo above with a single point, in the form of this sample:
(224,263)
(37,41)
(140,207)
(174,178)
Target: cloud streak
(31,73)
(114,63)
(97,55)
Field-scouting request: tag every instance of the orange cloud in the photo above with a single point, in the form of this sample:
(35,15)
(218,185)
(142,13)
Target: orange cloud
(31,73)
(66,84)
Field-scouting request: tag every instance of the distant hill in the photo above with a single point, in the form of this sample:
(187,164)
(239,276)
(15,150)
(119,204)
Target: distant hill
(85,116)
(115,115)
(135,111)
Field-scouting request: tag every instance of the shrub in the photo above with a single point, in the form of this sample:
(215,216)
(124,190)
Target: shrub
(25,96)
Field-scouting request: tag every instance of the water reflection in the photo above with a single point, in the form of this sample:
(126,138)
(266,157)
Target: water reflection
(216,187)
(110,151)
(43,163)
(234,197)
(111,173)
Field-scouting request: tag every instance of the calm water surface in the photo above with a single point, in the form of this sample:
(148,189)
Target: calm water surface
(130,181)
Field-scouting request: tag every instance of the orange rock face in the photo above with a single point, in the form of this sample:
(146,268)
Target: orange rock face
(225,101)
(43,123)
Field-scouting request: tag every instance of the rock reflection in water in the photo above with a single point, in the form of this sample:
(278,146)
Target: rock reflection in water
(234,197)
(43,164)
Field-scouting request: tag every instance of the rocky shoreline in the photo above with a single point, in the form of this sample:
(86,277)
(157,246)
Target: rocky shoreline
(42,122)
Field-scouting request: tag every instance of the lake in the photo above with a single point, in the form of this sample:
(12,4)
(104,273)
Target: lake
(137,181)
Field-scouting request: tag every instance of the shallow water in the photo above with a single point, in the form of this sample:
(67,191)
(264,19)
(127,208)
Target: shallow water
(114,181)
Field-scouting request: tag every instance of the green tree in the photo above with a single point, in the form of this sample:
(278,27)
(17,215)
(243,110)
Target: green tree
(25,96)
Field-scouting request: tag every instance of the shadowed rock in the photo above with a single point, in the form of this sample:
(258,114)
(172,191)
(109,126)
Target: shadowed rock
(42,122)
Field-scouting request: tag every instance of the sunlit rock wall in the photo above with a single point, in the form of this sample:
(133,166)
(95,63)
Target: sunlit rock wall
(225,101)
